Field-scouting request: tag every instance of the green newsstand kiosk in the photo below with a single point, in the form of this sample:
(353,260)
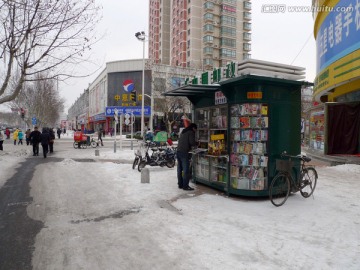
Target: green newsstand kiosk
(244,124)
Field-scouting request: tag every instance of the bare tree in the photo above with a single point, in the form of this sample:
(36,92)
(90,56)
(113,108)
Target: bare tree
(42,100)
(164,79)
(43,37)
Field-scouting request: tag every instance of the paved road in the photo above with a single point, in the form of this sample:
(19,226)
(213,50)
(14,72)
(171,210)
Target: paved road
(17,230)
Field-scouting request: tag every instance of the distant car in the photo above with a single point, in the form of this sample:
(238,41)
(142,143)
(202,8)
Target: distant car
(136,135)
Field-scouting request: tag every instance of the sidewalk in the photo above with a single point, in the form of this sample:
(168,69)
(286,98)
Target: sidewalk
(331,160)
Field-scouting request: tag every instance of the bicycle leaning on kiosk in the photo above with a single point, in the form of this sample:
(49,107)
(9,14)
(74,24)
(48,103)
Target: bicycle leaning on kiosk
(283,183)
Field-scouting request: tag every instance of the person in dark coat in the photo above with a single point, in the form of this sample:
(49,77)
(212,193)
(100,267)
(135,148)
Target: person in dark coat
(100,133)
(45,139)
(52,140)
(58,132)
(35,138)
(186,141)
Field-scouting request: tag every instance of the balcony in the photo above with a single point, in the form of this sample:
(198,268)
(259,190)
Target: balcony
(247,5)
(247,16)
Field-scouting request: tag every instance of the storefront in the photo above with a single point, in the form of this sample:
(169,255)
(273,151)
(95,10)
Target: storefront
(337,84)
(244,124)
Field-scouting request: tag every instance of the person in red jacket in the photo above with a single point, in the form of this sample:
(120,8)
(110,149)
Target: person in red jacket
(7,133)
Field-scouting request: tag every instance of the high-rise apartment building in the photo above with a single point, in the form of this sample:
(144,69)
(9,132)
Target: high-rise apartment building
(200,34)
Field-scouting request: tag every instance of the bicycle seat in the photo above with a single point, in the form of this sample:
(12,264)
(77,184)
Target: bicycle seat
(154,149)
(304,157)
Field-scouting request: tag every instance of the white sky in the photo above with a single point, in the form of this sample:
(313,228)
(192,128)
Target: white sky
(278,37)
(175,229)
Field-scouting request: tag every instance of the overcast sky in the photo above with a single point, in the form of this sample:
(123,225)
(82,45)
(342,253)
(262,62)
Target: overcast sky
(281,37)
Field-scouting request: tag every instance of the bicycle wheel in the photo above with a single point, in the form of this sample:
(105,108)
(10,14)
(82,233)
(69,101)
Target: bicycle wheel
(170,163)
(279,189)
(308,182)
(76,145)
(141,165)
(93,144)
(83,145)
(136,161)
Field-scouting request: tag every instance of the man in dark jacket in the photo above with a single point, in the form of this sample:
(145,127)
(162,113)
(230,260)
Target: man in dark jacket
(52,140)
(186,141)
(45,139)
(35,140)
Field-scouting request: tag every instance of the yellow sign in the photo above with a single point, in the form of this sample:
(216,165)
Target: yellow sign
(254,95)
(217,137)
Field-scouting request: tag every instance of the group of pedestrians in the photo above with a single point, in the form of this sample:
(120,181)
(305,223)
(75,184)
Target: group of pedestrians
(45,138)
(35,138)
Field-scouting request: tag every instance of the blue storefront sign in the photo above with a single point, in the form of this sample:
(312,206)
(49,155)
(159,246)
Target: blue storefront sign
(99,117)
(136,110)
(34,120)
(339,33)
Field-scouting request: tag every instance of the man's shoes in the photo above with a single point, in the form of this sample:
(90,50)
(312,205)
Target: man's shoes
(188,188)
(181,187)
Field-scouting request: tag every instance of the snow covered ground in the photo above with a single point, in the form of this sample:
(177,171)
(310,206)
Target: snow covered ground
(98,215)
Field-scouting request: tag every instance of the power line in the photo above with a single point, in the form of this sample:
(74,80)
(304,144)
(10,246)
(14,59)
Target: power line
(302,48)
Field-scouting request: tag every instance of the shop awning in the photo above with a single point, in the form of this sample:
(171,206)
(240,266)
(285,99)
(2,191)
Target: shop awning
(195,92)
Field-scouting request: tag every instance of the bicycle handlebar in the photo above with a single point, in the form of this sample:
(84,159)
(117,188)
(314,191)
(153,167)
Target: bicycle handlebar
(300,156)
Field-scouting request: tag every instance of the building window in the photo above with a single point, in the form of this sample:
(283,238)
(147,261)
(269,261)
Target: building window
(247,26)
(208,61)
(188,10)
(209,5)
(208,27)
(209,16)
(232,2)
(247,36)
(247,5)
(188,22)
(208,50)
(209,39)
(247,46)
(246,56)
(228,31)
(228,53)
(227,20)
(228,42)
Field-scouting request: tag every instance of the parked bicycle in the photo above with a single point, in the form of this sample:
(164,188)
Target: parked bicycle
(284,183)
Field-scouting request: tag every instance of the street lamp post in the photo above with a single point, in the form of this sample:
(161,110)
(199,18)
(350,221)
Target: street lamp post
(141,36)
(151,110)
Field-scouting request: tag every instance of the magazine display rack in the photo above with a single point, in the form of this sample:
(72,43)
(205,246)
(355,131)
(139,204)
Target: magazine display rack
(249,125)
(211,162)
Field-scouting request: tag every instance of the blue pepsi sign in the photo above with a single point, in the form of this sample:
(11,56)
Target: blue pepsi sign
(136,110)
(339,33)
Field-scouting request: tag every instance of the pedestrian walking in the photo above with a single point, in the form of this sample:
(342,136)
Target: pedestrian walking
(7,133)
(100,132)
(15,136)
(20,137)
(52,140)
(58,132)
(186,141)
(45,139)
(1,140)
(27,136)
(35,138)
